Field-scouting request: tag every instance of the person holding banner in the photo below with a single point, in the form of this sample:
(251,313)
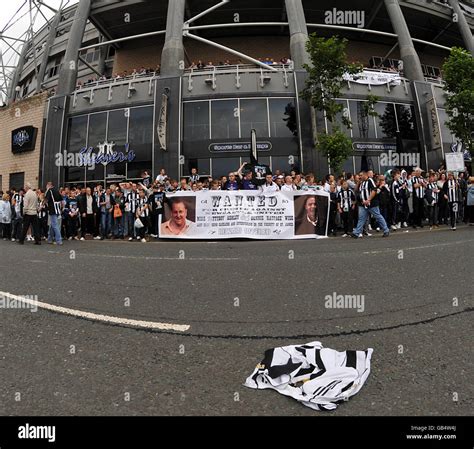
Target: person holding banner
(452,193)
(269,185)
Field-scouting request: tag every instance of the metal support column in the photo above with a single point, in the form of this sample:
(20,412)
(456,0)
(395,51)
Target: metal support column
(411,61)
(463,25)
(69,67)
(47,49)
(172,56)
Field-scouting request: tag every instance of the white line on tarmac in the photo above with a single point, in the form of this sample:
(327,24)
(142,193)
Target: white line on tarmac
(388,250)
(115,256)
(98,317)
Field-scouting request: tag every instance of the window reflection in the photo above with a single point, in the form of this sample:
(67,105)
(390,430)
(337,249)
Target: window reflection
(196,121)
(253,115)
(225,119)
(283,121)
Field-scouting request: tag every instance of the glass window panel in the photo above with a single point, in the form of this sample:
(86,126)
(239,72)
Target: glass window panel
(222,166)
(97,135)
(117,133)
(225,124)
(283,122)
(338,119)
(196,121)
(320,122)
(204,166)
(140,139)
(386,121)
(282,163)
(253,115)
(77,140)
(362,124)
(406,121)
(446,135)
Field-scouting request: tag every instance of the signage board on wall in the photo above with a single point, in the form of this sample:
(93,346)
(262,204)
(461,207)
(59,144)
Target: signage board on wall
(24,139)
(230,147)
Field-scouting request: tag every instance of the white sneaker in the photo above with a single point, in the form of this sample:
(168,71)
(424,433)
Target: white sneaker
(138,238)
(97,237)
(143,240)
(76,238)
(82,239)
(13,240)
(405,225)
(399,226)
(378,229)
(394,228)
(70,238)
(345,235)
(130,239)
(370,228)
(153,235)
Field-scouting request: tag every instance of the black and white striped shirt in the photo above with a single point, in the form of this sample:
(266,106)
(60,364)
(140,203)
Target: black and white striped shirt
(131,200)
(140,204)
(320,378)
(346,198)
(366,188)
(419,191)
(432,186)
(453,191)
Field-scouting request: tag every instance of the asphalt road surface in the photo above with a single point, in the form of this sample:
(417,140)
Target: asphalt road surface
(219,306)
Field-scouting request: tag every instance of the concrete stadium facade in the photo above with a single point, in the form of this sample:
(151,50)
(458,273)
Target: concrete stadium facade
(181,116)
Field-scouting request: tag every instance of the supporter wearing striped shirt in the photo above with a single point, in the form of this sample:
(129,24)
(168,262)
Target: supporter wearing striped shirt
(130,210)
(369,206)
(346,203)
(452,194)
(418,184)
(142,212)
(432,195)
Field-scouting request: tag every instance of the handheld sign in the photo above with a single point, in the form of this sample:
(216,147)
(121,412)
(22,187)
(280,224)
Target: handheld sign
(259,170)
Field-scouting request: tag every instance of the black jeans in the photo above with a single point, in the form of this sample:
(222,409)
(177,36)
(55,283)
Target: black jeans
(5,230)
(418,211)
(88,225)
(33,221)
(433,214)
(453,212)
(347,221)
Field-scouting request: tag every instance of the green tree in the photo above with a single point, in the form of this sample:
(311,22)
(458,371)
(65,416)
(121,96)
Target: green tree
(323,87)
(458,76)
(336,146)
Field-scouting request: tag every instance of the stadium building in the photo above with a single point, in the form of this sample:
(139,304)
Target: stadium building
(177,84)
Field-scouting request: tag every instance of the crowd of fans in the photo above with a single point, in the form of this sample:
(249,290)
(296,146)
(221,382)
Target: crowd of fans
(395,200)
(200,65)
(148,71)
(125,75)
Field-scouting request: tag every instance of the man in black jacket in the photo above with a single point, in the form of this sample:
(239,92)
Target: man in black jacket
(88,210)
(54,200)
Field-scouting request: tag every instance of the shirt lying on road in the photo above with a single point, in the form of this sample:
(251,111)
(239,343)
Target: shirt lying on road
(320,378)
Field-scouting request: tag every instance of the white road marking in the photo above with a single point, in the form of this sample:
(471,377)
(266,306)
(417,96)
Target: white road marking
(115,256)
(388,250)
(98,317)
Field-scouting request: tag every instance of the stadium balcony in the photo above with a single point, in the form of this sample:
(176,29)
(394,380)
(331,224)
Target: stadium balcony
(139,87)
